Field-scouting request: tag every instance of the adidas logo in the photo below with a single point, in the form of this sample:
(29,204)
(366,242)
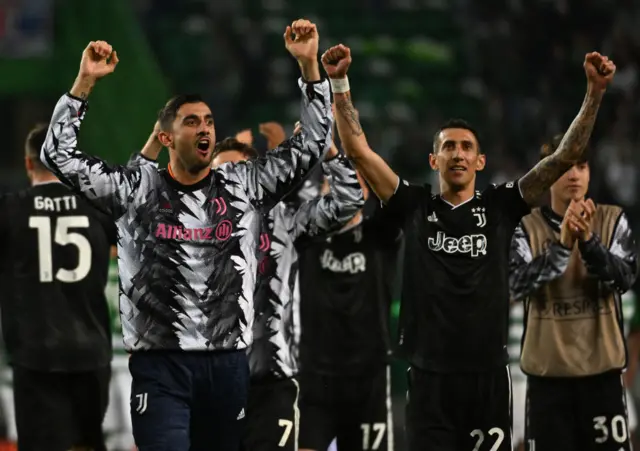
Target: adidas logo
(241,414)
(432,217)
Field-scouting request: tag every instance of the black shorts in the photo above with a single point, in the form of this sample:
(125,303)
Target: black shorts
(188,401)
(57,411)
(577,414)
(459,411)
(273,417)
(355,410)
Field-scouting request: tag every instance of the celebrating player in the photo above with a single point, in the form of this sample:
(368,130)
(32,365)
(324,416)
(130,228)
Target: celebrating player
(55,319)
(346,284)
(272,412)
(188,240)
(570,263)
(455,302)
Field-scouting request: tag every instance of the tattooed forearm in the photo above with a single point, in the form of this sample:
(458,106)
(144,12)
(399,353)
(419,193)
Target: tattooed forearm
(82,88)
(345,107)
(539,179)
(354,142)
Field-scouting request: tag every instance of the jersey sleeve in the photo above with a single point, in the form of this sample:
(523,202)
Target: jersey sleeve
(404,201)
(270,178)
(528,274)
(330,212)
(110,188)
(616,266)
(508,198)
(137,159)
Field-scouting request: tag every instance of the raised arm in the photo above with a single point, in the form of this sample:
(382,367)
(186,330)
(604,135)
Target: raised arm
(538,180)
(150,152)
(272,177)
(107,187)
(374,169)
(330,212)
(528,274)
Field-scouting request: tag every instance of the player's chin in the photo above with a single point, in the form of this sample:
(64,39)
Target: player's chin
(459,179)
(200,164)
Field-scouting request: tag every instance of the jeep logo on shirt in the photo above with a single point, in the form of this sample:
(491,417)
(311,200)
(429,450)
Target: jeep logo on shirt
(473,244)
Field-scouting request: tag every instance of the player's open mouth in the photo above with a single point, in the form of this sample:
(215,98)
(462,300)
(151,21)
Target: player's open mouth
(203,146)
(458,169)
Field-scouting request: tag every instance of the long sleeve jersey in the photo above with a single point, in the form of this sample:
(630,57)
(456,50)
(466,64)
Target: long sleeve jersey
(188,254)
(274,352)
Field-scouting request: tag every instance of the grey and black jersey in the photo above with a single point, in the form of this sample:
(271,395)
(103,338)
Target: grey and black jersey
(276,330)
(188,254)
(616,266)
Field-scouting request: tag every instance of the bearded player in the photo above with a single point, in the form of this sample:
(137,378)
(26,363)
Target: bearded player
(187,268)
(455,301)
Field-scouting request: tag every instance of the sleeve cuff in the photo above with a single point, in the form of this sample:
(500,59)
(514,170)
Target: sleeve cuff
(322,79)
(144,157)
(78,99)
(333,158)
(561,250)
(586,246)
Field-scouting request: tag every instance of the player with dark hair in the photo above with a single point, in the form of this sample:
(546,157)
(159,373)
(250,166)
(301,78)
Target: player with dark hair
(455,299)
(187,246)
(346,287)
(273,415)
(232,150)
(55,319)
(570,264)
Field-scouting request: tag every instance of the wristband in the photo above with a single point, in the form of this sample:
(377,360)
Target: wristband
(339,85)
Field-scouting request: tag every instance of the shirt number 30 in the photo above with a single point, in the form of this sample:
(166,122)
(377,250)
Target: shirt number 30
(617,429)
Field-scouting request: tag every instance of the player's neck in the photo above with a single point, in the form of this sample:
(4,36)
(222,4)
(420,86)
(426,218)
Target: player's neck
(38,178)
(184,177)
(456,197)
(559,206)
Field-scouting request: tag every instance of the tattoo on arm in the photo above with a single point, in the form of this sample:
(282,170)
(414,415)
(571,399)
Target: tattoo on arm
(539,179)
(349,112)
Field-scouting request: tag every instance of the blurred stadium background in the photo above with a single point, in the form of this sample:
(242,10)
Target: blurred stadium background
(511,67)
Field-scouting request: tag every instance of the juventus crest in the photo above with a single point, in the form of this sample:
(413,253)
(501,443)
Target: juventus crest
(478,213)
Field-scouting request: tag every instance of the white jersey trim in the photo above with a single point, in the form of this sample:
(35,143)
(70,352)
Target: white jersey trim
(296,414)
(390,440)
(510,406)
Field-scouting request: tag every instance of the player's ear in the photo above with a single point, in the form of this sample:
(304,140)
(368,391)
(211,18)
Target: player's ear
(28,164)
(433,161)
(481,162)
(166,139)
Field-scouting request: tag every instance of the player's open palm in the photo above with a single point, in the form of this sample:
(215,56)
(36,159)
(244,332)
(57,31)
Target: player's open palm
(98,59)
(301,40)
(336,61)
(599,69)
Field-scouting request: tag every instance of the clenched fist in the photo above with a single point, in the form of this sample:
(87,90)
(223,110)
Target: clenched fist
(336,61)
(98,59)
(301,40)
(599,70)
(274,133)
